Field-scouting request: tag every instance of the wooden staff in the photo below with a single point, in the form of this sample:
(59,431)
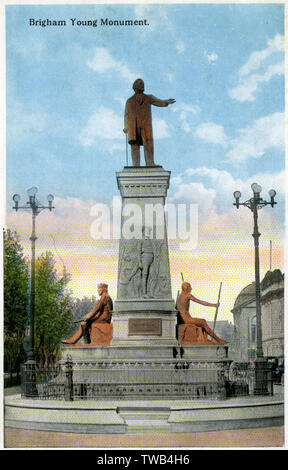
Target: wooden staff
(126,139)
(216,313)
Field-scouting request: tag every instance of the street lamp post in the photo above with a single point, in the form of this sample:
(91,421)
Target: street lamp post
(36,207)
(255,203)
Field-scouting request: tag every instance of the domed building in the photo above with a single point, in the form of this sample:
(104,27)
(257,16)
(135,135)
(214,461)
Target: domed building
(244,343)
(272,310)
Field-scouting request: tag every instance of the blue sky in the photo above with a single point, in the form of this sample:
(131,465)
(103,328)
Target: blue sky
(67,87)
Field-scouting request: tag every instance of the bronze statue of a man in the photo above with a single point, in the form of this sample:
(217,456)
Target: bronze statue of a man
(138,122)
(182,306)
(101,313)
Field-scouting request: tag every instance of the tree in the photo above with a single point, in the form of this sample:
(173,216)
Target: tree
(16,288)
(53,309)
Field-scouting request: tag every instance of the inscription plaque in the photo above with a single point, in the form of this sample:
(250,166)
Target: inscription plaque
(145,326)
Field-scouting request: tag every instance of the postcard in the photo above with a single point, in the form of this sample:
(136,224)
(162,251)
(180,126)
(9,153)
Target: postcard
(175,106)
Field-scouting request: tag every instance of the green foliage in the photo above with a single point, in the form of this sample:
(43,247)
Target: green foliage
(53,309)
(53,305)
(16,285)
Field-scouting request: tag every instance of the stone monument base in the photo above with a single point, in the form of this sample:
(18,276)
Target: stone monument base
(141,372)
(144,328)
(89,353)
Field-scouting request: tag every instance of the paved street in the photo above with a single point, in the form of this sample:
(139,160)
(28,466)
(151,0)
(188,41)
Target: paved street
(260,437)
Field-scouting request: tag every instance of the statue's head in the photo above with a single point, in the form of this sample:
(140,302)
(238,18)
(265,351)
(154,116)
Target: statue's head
(102,287)
(186,287)
(138,85)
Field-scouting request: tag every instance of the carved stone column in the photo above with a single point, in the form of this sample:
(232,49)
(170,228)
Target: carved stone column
(144,311)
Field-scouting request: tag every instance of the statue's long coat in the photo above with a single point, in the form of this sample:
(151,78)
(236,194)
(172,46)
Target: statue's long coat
(138,115)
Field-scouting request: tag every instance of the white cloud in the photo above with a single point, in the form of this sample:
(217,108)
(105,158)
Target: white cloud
(103,62)
(245,90)
(187,108)
(211,132)
(212,58)
(106,125)
(224,183)
(156,16)
(219,178)
(66,206)
(256,70)
(171,77)
(121,100)
(103,124)
(253,141)
(160,128)
(186,112)
(180,47)
(194,192)
(258,57)
(213,189)
(70,220)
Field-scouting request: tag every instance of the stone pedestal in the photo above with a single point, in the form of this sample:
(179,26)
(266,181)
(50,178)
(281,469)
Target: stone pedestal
(142,372)
(144,311)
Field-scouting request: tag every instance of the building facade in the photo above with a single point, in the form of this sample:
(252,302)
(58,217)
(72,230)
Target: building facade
(244,342)
(272,309)
(243,345)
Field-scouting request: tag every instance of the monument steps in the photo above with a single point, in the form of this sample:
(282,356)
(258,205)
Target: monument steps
(144,416)
(145,420)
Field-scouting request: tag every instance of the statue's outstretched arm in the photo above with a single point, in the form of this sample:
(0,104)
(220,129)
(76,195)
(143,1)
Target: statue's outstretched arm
(162,103)
(202,302)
